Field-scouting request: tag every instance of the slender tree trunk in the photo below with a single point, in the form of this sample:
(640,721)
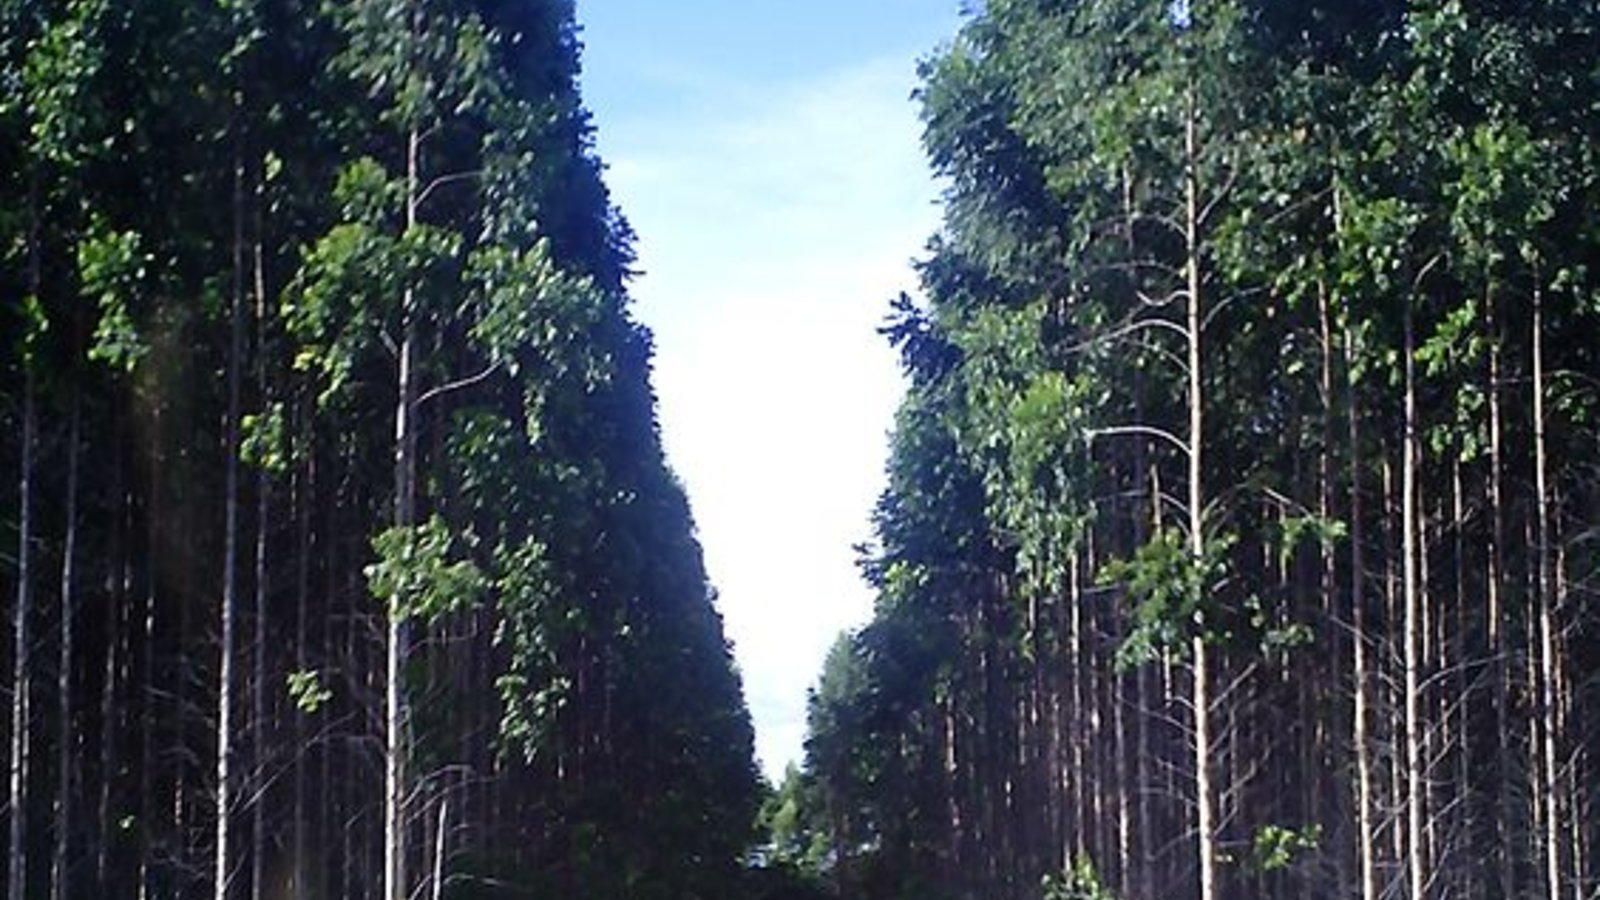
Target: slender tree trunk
(1428,662)
(17,852)
(439,847)
(1327,590)
(1416,862)
(145,687)
(1117,686)
(405,463)
(1495,612)
(952,775)
(17,871)
(1366,836)
(258,687)
(118,584)
(230,552)
(1205,790)
(1459,722)
(1077,846)
(304,489)
(69,555)
(1390,689)
(1548,679)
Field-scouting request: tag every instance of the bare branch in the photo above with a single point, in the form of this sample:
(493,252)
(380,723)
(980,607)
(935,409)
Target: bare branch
(1123,331)
(443,180)
(459,384)
(1144,430)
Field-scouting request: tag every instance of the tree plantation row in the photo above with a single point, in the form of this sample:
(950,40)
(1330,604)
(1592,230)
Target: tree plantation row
(1241,530)
(340,553)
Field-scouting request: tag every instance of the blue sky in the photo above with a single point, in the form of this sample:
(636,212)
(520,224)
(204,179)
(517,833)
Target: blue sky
(767,156)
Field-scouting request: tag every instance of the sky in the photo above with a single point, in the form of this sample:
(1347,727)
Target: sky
(767,155)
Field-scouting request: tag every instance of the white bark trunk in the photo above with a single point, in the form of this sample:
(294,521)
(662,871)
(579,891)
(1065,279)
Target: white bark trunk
(258,687)
(1548,688)
(230,552)
(1366,838)
(1416,864)
(405,447)
(1205,790)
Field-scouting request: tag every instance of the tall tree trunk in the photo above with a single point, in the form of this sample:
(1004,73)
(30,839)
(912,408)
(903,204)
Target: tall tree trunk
(1548,679)
(119,582)
(304,488)
(17,871)
(439,847)
(59,889)
(1205,790)
(145,683)
(17,850)
(1495,614)
(1366,836)
(1457,714)
(1327,572)
(1427,653)
(258,686)
(230,552)
(1077,846)
(1416,863)
(405,512)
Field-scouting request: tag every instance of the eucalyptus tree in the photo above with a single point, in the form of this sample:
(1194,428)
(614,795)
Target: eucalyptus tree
(391,264)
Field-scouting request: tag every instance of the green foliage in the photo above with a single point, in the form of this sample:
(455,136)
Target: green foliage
(531,312)
(365,193)
(35,322)
(340,303)
(415,573)
(1320,532)
(1170,590)
(1079,881)
(1276,847)
(112,268)
(307,691)
(59,77)
(264,440)
(792,818)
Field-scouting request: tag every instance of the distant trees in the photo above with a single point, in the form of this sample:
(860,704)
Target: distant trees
(335,514)
(1237,536)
